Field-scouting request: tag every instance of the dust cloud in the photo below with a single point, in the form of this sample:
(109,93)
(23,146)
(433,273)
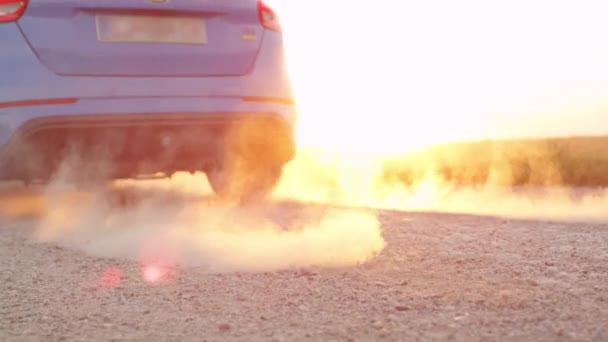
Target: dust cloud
(174,223)
(355,179)
(323,212)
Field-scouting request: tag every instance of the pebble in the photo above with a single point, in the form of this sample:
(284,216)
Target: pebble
(376,324)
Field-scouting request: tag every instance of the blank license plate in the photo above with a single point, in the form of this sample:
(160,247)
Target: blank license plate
(150,29)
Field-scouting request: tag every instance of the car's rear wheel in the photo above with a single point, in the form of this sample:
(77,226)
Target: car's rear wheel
(244,181)
(251,160)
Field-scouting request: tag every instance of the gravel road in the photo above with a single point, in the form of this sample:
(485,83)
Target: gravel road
(439,277)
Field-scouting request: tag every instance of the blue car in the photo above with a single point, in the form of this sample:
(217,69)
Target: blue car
(139,87)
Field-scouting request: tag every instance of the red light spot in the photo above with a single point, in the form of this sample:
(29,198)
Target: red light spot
(155,273)
(158,260)
(112,277)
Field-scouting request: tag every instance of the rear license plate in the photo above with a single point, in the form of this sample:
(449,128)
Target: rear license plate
(150,29)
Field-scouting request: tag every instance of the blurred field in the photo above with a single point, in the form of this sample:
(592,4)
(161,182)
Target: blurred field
(576,161)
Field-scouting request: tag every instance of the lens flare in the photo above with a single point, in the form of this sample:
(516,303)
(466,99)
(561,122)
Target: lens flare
(154,273)
(159,257)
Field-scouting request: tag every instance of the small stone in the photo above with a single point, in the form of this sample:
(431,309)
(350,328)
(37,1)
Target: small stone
(532,282)
(505,294)
(187,295)
(224,327)
(402,308)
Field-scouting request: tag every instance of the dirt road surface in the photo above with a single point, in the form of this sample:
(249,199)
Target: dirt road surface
(440,277)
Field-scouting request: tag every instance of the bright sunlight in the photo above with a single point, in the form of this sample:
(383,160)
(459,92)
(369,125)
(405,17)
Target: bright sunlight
(388,76)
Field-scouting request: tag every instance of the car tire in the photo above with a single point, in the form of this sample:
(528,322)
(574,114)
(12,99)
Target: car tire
(243,182)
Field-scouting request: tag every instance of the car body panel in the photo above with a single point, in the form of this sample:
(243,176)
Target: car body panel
(27,78)
(31,90)
(68,37)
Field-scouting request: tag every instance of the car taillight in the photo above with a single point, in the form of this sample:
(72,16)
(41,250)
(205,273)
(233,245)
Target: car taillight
(11,10)
(268,18)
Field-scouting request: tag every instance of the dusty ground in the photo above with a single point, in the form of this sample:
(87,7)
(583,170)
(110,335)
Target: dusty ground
(440,277)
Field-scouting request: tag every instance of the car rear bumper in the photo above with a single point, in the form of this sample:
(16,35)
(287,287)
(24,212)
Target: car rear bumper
(139,136)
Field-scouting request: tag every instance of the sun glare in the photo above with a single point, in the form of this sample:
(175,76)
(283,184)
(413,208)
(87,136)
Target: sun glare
(387,76)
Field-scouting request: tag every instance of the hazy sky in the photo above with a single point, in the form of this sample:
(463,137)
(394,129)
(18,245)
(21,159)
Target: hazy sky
(466,68)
